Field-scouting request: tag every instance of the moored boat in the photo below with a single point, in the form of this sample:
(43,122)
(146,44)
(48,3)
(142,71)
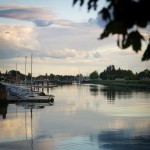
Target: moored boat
(23,94)
(37,97)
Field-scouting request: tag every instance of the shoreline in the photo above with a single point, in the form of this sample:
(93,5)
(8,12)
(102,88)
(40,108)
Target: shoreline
(141,84)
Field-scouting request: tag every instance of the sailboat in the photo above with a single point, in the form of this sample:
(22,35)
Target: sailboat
(23,94)
(39,97)
(78,80)
(33,96)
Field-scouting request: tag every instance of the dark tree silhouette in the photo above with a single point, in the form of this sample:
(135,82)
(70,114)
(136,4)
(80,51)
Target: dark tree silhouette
(94,75)
(124,18)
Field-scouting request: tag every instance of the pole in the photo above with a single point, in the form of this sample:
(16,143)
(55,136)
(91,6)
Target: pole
(25,69)
(16,73)
(31,72)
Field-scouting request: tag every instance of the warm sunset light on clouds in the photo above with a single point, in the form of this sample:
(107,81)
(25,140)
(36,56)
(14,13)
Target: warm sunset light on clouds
(61,38)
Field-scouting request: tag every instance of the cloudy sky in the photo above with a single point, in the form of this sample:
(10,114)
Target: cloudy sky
(63,39)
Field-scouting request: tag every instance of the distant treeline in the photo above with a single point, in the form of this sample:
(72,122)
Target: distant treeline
(110,73)
(13,75)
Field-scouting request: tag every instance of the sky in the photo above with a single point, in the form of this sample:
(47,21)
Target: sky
(62,39)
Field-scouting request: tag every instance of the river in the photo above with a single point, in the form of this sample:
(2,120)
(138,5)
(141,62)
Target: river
(91,117)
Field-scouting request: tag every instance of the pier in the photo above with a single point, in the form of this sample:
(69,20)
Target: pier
(49,83)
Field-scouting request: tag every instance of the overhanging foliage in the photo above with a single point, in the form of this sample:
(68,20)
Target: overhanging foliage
(124,18)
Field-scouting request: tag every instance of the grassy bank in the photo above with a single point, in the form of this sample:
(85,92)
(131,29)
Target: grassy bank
(126,83)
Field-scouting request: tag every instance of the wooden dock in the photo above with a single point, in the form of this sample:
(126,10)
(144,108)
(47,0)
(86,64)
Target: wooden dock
(45,86)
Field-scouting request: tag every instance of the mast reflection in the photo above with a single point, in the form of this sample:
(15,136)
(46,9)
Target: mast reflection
(31,106)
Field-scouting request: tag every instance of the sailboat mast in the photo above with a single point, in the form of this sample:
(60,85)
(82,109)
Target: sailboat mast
(31,72)
(79,71)
(16,73)
(25,69)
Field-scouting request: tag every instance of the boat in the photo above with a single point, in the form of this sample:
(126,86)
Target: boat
(24,94)
(40,97)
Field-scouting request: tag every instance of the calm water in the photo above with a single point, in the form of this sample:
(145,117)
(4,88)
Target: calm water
(87,117)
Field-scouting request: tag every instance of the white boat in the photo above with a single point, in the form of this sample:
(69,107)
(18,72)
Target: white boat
(15,91)
(37,97)
(23,94)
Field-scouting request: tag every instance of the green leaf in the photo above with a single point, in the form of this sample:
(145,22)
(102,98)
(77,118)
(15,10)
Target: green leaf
(81,2)
(118,42)
(146,55)
(142,23)
(136,39)
(114,27)
(126,42)
(92,4)
(105,14)
(106,31)
(74,2)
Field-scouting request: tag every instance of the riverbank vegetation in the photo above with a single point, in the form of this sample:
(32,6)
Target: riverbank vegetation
(121,77)
(111,73)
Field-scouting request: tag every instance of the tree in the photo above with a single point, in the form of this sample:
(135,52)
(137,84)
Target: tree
(94,75)
(124,18)
(103,75)
(144,74)
(52,76)
(13,73)
(110,73)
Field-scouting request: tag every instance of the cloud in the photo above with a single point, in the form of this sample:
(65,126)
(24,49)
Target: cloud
(96,55)
(42,23)
(65,53)
(8,51)
(66,40)
(81,37)
(60,41)
(57,54)
(92,21)
(41,17)
(17,41)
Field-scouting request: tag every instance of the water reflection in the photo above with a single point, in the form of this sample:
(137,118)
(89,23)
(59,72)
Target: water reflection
(116,92)
(19,125)
(3,110)
(109,93)
(122,140)
(112,92)
(33,105)
(94,90)
(81,118)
